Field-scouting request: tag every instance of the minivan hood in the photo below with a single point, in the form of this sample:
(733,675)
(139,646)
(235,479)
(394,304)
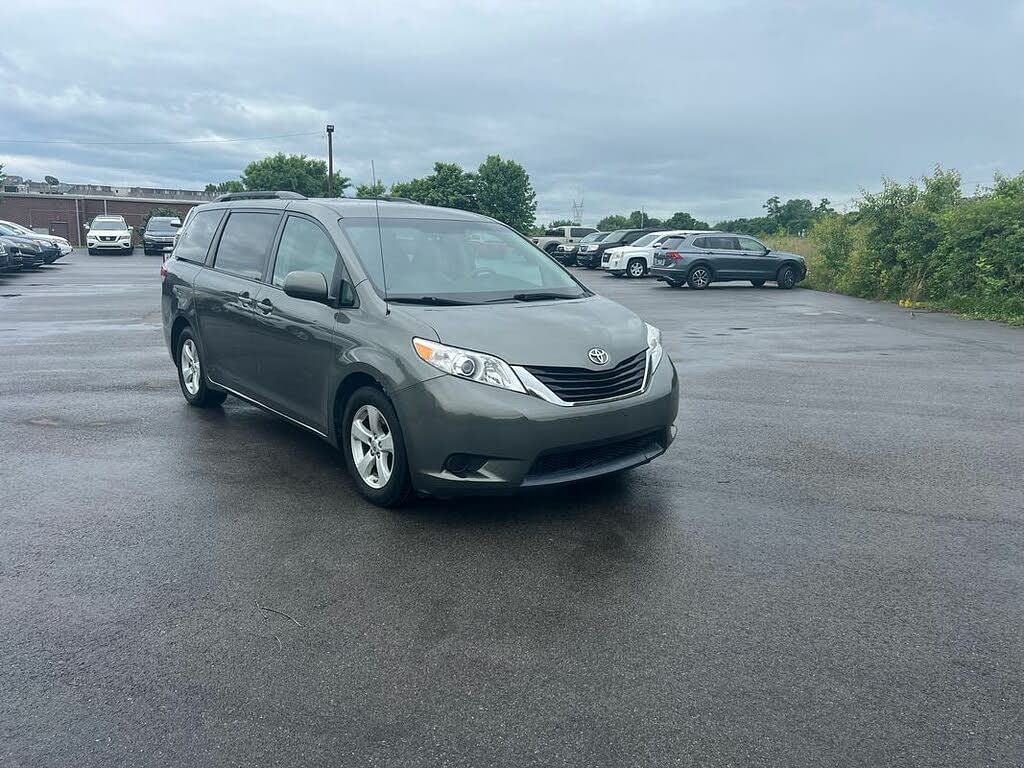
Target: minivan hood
(550,333)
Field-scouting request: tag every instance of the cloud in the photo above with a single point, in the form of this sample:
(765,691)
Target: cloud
(696,105)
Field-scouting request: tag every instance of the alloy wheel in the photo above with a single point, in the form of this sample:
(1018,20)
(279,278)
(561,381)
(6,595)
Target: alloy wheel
(191,373)
(700,277)
(373,446)
(636,269)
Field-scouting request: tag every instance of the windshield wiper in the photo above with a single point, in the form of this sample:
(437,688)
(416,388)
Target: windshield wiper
(538,296)
(436,301)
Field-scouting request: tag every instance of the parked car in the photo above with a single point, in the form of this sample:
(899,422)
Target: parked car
(26,253)
(566,253)
(635,260)
(63,246)
(109,233)
(556,236)
(7,263)
(436,348)
(159,235)
(699,260)
(590,255)
(48,251)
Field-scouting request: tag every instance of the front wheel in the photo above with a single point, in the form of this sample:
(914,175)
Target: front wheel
(786,278)
(375,448)
(757,283)
(636,268)
(700,278)
(192,376)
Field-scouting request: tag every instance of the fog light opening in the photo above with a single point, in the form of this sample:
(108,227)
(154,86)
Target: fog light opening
(461,464)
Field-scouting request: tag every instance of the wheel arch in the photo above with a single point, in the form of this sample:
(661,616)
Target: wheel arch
(353,380)
(180,324)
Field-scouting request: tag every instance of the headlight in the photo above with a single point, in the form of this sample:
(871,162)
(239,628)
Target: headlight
(3,251)
(654,345)
(475,366)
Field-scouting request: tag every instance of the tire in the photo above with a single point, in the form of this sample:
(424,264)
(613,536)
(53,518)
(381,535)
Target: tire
(368,406)
(195,388)
(636,268)
(699,277)
(786,278)
(92,252)
(130,251)
(757,283)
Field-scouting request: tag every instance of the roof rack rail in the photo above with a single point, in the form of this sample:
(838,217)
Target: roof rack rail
(260,195)
(390,199)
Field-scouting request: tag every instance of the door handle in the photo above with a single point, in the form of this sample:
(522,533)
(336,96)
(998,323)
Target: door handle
(266,306)
(245,299)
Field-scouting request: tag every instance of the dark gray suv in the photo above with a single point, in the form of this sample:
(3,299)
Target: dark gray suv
(699,260)
(439,350)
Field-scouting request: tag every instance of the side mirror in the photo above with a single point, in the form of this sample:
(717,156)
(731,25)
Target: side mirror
(86,227)
(767,251)
(311,286)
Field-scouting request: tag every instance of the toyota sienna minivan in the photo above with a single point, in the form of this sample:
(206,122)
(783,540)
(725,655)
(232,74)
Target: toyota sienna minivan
(439,350)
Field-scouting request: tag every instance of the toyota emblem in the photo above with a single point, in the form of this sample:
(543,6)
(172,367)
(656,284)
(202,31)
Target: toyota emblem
(598,356)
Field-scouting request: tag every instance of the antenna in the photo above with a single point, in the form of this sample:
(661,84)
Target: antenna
(383,266)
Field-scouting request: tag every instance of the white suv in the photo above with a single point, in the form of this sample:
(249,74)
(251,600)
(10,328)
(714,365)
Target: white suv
(635,260)
(109,233)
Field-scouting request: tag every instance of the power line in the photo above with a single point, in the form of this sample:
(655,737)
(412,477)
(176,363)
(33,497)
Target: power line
(156,143)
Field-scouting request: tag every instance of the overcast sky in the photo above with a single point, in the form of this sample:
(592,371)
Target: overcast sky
(697,105)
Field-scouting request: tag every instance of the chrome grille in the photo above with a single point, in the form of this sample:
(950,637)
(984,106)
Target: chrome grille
(582,385)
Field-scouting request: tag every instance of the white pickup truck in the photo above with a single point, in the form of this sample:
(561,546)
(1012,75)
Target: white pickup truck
(556,236)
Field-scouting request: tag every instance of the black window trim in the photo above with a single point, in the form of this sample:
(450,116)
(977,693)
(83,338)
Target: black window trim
(211,257)
(341,268)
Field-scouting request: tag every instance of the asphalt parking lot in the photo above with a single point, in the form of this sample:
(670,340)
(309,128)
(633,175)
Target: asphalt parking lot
(826,569)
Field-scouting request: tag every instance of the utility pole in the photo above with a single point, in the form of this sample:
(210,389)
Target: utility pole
(330,158)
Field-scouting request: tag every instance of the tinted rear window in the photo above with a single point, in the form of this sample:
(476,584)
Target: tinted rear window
(673,242)
(245,244)
(194,242)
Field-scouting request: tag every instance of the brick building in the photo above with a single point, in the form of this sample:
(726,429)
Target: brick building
(66,215)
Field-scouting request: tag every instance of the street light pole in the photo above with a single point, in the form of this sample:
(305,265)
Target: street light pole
(330,158)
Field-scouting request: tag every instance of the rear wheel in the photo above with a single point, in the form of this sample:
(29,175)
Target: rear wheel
(757,283)
(374,448)
(786,277)
(192,376)
(700,277)
(636,268)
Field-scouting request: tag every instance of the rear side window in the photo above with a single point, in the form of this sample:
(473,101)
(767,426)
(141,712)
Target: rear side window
(245,244)
(304,247)
(194,242)
(723,243)
(557,232)
(580,231)
(671,243)
(700,242)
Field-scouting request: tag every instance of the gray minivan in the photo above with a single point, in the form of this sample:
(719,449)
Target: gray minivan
(438,349)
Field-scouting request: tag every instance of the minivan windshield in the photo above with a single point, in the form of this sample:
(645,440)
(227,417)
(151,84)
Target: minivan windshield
(594,237)
(108,224)
(444,261)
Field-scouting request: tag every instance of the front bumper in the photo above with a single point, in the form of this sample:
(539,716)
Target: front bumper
(108,245)
(526,441)
(158,246)
(588,259)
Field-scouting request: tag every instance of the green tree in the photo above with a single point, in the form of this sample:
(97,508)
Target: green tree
(376,189)
(504,192)
(293,173)
(560,223)
(449,186)
(224,187)
(683,220)
(613,222)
